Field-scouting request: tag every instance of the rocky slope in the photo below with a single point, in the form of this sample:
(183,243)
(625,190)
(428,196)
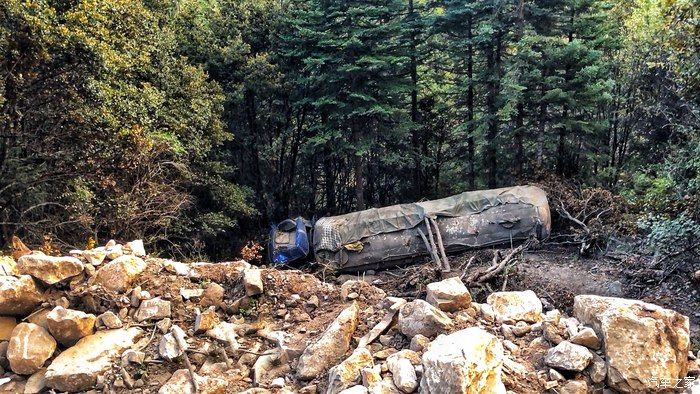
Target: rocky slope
(112,319)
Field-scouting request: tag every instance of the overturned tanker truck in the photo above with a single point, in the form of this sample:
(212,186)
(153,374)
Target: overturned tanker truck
(401,234)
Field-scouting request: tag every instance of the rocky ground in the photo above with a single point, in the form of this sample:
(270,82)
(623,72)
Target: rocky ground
(112,319)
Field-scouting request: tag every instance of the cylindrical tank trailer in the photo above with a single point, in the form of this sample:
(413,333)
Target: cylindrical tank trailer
(400,234)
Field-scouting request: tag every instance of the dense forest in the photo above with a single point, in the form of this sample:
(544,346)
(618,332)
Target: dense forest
(196,123)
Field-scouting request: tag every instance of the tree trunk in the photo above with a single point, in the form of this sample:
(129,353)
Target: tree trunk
(518,140)
(359,170)
(329,183)
(251,115)
(561,148)
(612,137)
(415,136)
(471,176)
(520,114)
(493,67)
(541,122)
(561,144)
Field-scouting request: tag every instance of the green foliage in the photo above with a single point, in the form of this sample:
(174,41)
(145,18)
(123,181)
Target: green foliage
(653,190)
(119,116)
(671,240)
(110,130)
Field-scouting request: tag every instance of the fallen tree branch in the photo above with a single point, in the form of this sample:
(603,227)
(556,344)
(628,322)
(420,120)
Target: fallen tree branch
(562,211)
(505,280)
(182,345)
(466,267)
(433,247)
(441,247)
(585,240)
(431,252)
(481,277)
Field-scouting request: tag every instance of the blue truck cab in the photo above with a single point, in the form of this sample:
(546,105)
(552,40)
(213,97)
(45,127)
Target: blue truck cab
(289,241)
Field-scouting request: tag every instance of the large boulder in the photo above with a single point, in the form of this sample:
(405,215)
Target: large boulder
(373,381)
(172,346)
(19,296)
(94,256)
(597,369)
(19,249)
(468,361)
(39,318)
(252,280)
(136,248)
(36,383)
(8,385)
(569,357)
(516,305)
(419,317)
(449,295)
(403,373)
(120,273)
(205,321)
(225,332)
(347,373)
(29,348)
(573,387)
(113,249)
(68,325)
(586,337)
(49,269)
(331,346)
(78,368)
(640,340)
(212,295)
(108,320)
(155,309)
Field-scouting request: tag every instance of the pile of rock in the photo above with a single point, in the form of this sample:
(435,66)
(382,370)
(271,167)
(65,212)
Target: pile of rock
(609,344)
(52,345)
(621,344)
(114,319)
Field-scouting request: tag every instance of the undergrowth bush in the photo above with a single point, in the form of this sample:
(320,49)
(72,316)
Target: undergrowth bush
(671,241)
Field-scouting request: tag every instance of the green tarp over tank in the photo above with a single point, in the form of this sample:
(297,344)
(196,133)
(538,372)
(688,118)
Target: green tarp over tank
(386,236)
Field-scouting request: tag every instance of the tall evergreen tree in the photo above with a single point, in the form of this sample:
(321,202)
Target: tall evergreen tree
(458,23)
(353,65)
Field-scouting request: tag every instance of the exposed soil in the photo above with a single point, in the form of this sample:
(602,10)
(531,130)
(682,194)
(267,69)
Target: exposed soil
(558,276)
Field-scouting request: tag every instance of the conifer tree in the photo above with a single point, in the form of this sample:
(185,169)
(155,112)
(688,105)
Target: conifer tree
(353,67)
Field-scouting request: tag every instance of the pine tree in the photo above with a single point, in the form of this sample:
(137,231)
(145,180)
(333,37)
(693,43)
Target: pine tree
(458,22)
(353,67)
